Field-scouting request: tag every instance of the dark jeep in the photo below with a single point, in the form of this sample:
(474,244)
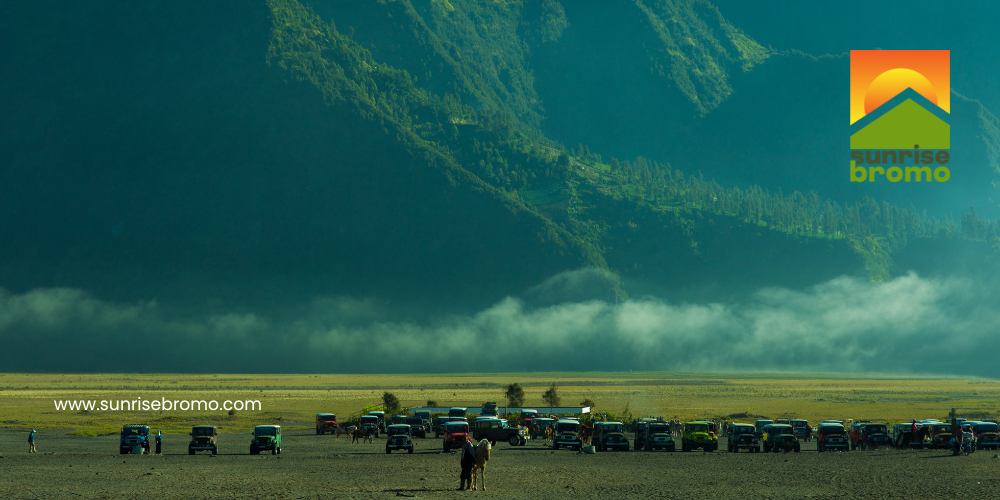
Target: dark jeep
(399,438)
(869,436)
(203,438)
(640,432)
(831,436)
(779,437)
(134,435)
(567,432)
(366,422)
(759,425)
(659,437)
(417,424)
(610,435)
(743,436)
(496,429)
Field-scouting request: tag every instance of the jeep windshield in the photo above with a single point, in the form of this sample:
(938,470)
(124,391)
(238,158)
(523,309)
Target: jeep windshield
(986,427)
(612,428)
(203,431)
(414,421)
(133,431)
(265,431)
(659,428)
(744,429)
(698,428)
(875,429)
(781,430)
(568,427)
(832,429)
(393,430)
(456,427)
(327,418)
(369,420)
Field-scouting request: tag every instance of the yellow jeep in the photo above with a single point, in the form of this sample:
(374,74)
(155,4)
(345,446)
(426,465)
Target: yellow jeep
(699,435)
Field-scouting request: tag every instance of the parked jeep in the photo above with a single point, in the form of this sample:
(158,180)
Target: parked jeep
(831,436)
(699,435)
(455,434)
(397,419)
(609,435)
(442,421)
(458,411)
(779,437)
(800,426)
(743,436)
(496,429)
(567,434)
(366,422)
(399,438)
(869,436)
(659,437)
(986,434)
(266,437)
(381,419)
(759,425)
(326,422)
(542,423)
(133,435)
(640,432)
(940,435)
(416,426)
(203,438)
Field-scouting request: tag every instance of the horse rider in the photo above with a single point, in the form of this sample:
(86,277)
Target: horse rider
(467,460)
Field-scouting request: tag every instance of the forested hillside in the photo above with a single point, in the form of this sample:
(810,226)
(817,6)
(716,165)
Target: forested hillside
(448,151)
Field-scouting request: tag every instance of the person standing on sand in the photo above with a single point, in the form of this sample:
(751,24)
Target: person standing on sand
(468,460)
(31,442)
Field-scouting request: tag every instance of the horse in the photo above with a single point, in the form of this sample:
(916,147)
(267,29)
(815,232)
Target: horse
(584,434)
(549,433)
(370,434)
(344,430)
(482,456)
(357,434)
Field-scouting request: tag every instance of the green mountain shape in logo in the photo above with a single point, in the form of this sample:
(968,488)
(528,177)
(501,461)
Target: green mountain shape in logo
(905,124)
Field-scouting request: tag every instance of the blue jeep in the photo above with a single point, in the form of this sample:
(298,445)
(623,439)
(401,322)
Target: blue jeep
(134,435)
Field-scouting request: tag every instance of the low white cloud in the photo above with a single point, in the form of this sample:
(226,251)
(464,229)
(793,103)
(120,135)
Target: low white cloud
(908,325)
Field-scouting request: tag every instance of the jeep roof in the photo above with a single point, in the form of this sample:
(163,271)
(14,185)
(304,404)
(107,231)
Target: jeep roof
(779,426)
(607,423)
(323,416)
(197,427)
(448,425)
(749,427)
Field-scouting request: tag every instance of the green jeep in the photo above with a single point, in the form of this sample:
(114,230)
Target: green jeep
(779,437)
(699,435)
(266,437)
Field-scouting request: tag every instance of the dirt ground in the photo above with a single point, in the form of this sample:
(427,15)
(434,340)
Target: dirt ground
(320,467)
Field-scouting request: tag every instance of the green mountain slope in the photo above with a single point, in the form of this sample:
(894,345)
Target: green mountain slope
(258,153)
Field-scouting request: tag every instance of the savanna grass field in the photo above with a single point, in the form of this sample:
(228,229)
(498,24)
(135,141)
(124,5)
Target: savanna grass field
(28,400)
(78,452)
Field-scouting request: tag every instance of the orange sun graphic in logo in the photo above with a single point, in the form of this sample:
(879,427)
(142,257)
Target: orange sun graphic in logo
(879,75)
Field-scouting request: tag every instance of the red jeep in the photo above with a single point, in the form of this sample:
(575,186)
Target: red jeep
(326,422)
(869,436)
(455,435)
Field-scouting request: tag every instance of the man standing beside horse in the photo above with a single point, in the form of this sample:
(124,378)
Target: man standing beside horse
(468,461)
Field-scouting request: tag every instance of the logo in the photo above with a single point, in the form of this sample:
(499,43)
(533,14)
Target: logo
(900,113)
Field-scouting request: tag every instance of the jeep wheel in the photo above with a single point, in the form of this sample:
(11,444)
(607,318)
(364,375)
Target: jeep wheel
(215,450)
(190,451)
(514,440)
(446,448)
(729,447)
(279,450)
(798,448)
(493,442)
(387,450)
(122,451)
(410,450)
(319,432)
(521,441)
(555,445)
(254,450)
